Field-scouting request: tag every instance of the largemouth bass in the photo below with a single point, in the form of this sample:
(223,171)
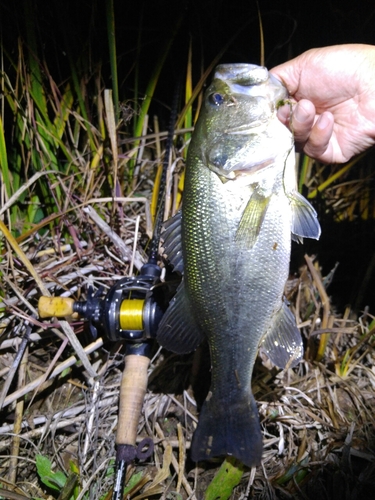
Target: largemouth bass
(232,244)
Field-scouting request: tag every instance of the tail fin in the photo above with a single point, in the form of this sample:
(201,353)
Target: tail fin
(226,428)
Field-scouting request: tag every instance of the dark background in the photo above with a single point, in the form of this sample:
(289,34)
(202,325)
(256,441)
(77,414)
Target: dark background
(290,27)
(78,29)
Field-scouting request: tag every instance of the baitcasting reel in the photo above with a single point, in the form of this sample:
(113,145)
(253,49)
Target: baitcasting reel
(131,310)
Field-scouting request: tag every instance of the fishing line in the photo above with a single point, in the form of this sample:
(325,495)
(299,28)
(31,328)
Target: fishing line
(154,245)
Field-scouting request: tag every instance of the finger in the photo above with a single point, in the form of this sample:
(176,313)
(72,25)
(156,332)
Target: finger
(318,143)
(303,120)
(283,114)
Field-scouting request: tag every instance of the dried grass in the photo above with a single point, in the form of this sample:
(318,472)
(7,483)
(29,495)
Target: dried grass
(317,420)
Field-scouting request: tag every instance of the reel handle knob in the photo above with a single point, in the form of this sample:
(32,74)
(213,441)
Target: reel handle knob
(55,306)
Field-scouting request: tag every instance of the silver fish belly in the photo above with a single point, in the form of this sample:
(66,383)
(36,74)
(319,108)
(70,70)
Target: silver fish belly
(232,243)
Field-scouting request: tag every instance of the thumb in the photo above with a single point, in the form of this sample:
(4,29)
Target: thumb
(289,73)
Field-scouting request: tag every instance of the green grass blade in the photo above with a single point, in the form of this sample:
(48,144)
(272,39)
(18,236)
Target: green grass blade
(111,124)
(137,62)
(81,102)
(188,119)
(36,87)
(112,54)
(302,179)
(202,80)
(151,88)
(63,112)
(4,168)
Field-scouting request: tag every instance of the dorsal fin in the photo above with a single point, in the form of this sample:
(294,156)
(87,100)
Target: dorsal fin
(171,237)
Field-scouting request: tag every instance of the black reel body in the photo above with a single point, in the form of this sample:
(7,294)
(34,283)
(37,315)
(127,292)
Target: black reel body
(130,311)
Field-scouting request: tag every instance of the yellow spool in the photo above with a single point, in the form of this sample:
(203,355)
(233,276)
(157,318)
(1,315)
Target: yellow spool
(131,314)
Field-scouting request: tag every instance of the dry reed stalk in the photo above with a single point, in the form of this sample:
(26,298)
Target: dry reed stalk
(59,369)
(175,463)
(12,475)
(124,249)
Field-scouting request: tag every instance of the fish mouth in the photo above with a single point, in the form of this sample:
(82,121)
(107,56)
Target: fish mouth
(241,171)
(248,128)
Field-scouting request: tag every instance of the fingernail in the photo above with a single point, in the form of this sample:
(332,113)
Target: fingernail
(301,114)
(284,113)
(323,121)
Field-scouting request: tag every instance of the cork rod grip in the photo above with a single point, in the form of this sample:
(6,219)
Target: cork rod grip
(132,392)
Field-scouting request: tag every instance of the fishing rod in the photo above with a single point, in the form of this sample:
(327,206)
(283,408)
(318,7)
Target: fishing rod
(131,311)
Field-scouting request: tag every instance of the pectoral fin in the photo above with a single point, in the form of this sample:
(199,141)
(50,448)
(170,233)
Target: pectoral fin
(178,331)
(172,242)
(304,218)
(283,343)
(251,220)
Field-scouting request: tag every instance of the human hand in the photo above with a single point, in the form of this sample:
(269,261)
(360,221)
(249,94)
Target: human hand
(333,118)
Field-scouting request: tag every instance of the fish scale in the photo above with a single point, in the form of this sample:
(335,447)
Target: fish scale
(234,296)
(232,243)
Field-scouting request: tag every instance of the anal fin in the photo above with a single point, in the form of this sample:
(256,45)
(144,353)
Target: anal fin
(283,343)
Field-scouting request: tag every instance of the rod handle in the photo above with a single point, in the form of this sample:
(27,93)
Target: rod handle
(132,392)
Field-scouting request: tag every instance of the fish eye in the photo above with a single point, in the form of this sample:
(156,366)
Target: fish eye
(216,99)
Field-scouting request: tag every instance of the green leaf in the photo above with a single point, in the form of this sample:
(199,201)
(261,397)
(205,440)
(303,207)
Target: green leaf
(133,481)
(227,478)
(54,480)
